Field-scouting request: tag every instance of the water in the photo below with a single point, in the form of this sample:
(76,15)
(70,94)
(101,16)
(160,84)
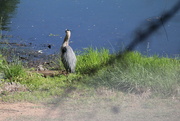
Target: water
(40,24)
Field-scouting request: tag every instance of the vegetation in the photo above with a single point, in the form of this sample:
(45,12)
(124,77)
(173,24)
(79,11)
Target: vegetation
(131,73)
(91,60)
(12,71)
(137,73)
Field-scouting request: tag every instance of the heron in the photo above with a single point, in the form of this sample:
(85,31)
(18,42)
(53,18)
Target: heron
(68,56)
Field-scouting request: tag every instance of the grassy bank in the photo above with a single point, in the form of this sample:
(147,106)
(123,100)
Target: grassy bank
(132,73)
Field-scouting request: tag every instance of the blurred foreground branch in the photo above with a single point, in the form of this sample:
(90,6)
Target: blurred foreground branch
(142,35)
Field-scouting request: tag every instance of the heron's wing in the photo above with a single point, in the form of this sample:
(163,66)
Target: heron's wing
(68,58)
(71,56)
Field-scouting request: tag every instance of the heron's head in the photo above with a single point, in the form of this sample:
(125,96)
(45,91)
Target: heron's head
(68,33)
(67,37)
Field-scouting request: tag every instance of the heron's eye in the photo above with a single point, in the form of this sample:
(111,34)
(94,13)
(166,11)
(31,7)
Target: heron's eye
(64,49)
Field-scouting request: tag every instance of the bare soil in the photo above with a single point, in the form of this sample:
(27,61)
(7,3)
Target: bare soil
(102,105)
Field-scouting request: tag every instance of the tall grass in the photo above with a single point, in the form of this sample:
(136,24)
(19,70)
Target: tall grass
(12,70)
(137,73)
(91,60)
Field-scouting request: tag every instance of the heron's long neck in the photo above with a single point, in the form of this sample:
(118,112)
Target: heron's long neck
(66,40)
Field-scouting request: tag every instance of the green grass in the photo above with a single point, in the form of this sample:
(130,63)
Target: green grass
(132,73)
(91,60)
(137,73)
(13,70)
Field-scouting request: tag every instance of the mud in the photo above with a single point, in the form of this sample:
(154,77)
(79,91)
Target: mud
(29,57)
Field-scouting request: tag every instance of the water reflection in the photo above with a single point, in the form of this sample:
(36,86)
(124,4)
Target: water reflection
(7,10)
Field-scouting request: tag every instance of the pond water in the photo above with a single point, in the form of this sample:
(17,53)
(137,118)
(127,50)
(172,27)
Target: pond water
(40,24)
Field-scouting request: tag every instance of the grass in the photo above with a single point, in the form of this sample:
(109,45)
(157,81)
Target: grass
(137,73)
(132,73)
(91,60)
